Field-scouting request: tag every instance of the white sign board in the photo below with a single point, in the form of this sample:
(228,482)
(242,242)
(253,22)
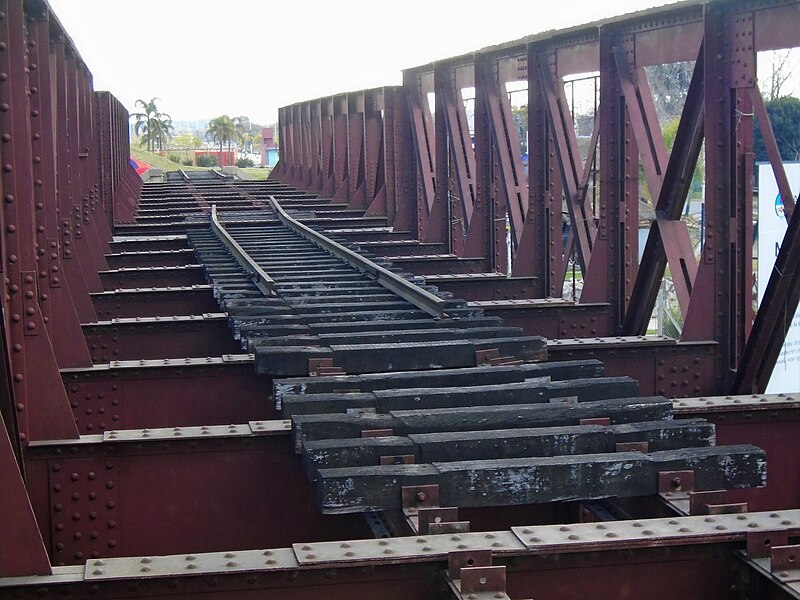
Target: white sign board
(771,229)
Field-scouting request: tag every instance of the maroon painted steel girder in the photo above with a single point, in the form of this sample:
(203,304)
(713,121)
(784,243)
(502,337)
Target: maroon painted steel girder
(444,173)
(721,306)
(43,411)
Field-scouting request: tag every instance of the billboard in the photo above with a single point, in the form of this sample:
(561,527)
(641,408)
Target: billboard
(772,227)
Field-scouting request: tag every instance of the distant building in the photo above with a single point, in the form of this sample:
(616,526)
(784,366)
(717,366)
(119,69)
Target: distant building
(196,127)
(269,149)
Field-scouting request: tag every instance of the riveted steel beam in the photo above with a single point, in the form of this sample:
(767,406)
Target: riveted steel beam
(166,392)
(37,399)
(721,306)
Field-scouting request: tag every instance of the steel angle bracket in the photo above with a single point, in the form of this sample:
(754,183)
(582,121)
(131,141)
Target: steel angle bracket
(438,520)
(470,574)
(674,488)
(415,498)
(714,502)
(770,555)
(479,583)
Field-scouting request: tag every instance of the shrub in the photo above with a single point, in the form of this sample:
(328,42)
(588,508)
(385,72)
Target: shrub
(187,161)
(244,162)
(206,160)
(175,158)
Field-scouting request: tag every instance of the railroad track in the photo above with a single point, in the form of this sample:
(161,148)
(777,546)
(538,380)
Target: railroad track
(402,397)
(375,418)
(325,385)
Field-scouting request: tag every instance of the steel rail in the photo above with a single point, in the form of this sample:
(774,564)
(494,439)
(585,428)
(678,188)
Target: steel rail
(263,281)
(422,299)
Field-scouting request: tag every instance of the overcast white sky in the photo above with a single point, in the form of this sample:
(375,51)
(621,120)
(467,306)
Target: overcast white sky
(249,57)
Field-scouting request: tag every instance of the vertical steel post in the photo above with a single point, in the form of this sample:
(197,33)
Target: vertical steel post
(307,146)
(441,215)
(73,267)
(85,243)
(356,193)
(327,146)
(392,133)
(55,298)
(407,200)
(489,211)
(510,174)
(98,230)
(297,145)
(457,152)
(423,153)
(541,250)
(373,152)
(39,396)
(611,270)
(340,156)
(318,178)
(278,170)
(721,306)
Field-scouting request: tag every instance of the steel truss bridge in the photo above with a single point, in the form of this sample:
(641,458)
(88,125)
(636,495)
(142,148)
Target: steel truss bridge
(360,378)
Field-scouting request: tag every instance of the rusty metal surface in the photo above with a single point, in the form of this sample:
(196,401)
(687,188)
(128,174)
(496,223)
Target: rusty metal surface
(181,449)
(750,402)
(245,561)
(620,49)
(422,548)
(585,537)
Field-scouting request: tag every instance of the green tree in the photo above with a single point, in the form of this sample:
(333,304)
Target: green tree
(154,126)
(222,130)
(784,115)
(669,131)
(187,140)
(251,141)
(163,130)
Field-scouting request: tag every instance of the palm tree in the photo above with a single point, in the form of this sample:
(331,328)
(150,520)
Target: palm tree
(164,127)
(222,130)
(144,120)
(154,126)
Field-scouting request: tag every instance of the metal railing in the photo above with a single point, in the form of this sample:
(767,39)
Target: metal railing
(422,299)
(263,281)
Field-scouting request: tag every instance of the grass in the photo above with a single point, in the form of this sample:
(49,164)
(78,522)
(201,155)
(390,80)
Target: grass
(257,173)
(162,162)
(159,162)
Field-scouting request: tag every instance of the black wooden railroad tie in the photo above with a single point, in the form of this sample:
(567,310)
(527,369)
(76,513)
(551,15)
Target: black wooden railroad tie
(383,395)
